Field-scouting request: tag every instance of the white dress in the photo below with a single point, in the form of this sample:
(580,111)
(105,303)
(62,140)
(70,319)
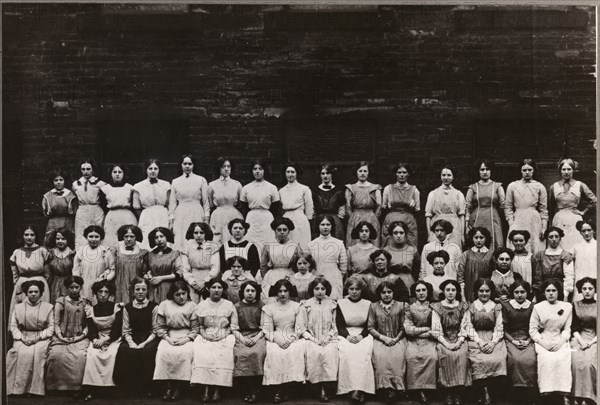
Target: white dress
(200,264)
(224,194)
(188,203)
(119,202)
(332,262)
(586,263)
(275,264)
(297,204)
(259,195)
(152,199)
(453,250)
(89,211)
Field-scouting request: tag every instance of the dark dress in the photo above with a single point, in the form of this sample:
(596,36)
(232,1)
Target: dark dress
(373,279)
(520,364)
(135,367)
(421,354)
(471,266)
(128,267)
(249,360)
(59,207)
(546,266)
(244,249)
(60,269)
(583,362)
(329,202)
(162,264)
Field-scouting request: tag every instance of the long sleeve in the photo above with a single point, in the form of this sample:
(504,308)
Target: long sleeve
(463,324)
(462,204)
(265,261)
(77,264)
(194,327)
(543,206)
(460,271)
(501,199)
(509,204)
(534,326)
(343,259)
(551,204)
(160,326)
(499,326)
(110,264)
(14,327)
(49,330)
(340,322)
(253,259)
(117,327)
(437,330)
(416,265)
(429,204)
(136,202)
(417,196)
(92,329)
(576,325)
(302,323)
(468,330)
(267,324)
(348,195)
(385,200)
(569,275)
(470,203)
(205,200)
(566,332)
(590,197)
(409,325)
(378,203)
(309,208)
(45,206)
(372,320)
(126,328)
(172,200)
(536,276)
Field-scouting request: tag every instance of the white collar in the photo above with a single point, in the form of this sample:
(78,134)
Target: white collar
(224,179)
(326,189)
(488,306)
(65,191)
(557,251)
(513,303)
(300,276)
(122,249)
(137,305)
(482,250)
(505,275)
(92,179)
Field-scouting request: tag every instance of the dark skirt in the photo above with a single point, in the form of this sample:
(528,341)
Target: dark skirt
(135,367)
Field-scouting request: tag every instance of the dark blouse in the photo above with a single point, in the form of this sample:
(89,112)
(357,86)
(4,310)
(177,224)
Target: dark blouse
(140,321)
(584,316)
(105,309)
(253,257)
(387,322)
(516,321)
(340,323)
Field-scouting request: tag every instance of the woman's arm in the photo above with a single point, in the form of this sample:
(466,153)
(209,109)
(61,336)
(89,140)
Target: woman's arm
(509,205)
(470,204)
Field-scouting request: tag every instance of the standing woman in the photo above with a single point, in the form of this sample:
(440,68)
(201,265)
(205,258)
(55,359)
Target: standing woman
(358,254)
(487,351)
(441,229)
(297,204)
(199,258)
(134,365)
(224,197)
(176,326)
(188,201)
(526,206)
(553,263)
(586,255)
(29,262)
(61,261)
(355,345)
(213,348)
(584,344)
(330,255)
(303,266)
(421,354)
(260,200)
(131,260)
(565,198)
(31,326)
(485,203)
(363,202)
(238,245)
(446,202)
(405,257)
(89,199)
(523,259)
(477,262)
(67,351)
(150,201)
(119,200)
(550,329)
(59,205)
(284,363)
(164,265)
(330,199)
(401,200)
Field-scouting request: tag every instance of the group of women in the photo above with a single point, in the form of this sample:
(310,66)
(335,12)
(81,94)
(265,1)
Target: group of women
(203,282)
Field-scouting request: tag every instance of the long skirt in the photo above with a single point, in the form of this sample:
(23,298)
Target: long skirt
(249,361)
(26,367)
(321,362)
(554,369)
(150,218)
(185,213)
(126,268)
(355,218)
(389,363)
(135,367)
(66,364)
(86,215)
(219,220)
(355,366)
(455,236)
(528,219)
(213,362)
(412,237)
(18,296)
(453,366)
(100,365)
(421,364)
(521,365)
(284,365)
(260,231)
(585,371)
(487,365)
(57,223)
(174,362)
(113,221)
(566,219)
(301,232)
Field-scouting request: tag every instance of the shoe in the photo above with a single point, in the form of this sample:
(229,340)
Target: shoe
(216,395)
(252,399)
(167,395)
(486,399)
(566,400)
(449,400)
(175,395)
(246,397)
(88,398)
(458,400)
(422,397)
(390,396)
(323,397)
(278,398)
(205,395)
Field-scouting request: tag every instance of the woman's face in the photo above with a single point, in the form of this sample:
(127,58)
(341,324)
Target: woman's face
(94,239)
(520,294)
(61,241)
(450,292)
(354,292)
(503,262)
(421,292)
(152,171)
(551,293)
(484,293)
(326,176)
(447,177)
(249,294)
(438,265)
(160,240)
(129,238)
(237,269)
(34,294)
(362,173)
(519,243)
(290,174)
(364,234)
(117,174)
(29,237)
(303,265)
(59,182)
(320,292)
(258,172)
(484,172)
(527,172)
(86,170)
(381,263)
(566,171)
(140,292)
(283,294)
(73,290)
(554,239)
(387,295)
(216,291)
(225,169)
(282,232)
(440,233)
(187,166)
(587,232)
(478,240)
(325,227)
(238,231)
(402,175)
(199,234)
(103,294)
(399,235)
(180,297)
(588,291)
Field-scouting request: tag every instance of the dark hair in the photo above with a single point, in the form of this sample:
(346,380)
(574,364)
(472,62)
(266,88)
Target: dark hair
(413,289)
(98,285)
(486,234)
(94,228)
(220,162)
(182,158)
(296,167)
(151,161)
(215,280)
(487,162)
(568,161)
(208,233)
(261,162)
(522,232)
(306,255)
(231,261)
(501,250)
(176,286)
(409,168)
(528,162)
(580,224)
(72,279)
(519,283)
(554,282)
(395,224)
(356,230)
(165,231)
(450,167)
(91,162)
(579,284)
(38,283)
(284,282)
(556,229)
(26,228)
(137,280)
(446,225)
(231,223)
(360,283)
(481,281)
(120,166)
(380,252)
(252,284)
(135,230)
(385,284)
(361,164)
(329,218)
(331,168)
(282,221)
(455,284)
(66,233)
(319,280)
(440,253)
(58,172)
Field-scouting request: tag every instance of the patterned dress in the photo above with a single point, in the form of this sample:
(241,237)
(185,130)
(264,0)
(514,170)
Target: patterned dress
(553,263)
(90,264)
(259,195)
(301,282)
(28,263)
(297,204)
(129,264)
(89,211)
(224,194)
(276,263)
(61,267)
(586,262)
(249,361)
(526,208)
(421,354)
(330,256)
(152,197)
(484,203)
(397,199)
(363,203)
(161,264)
(59,207)
(188,202)
(119,202)
(448,204)
(200,264)
(584,362)
(520,364)
(473,264)
(522,264)
(333,202)
(405,262)
(359,258)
